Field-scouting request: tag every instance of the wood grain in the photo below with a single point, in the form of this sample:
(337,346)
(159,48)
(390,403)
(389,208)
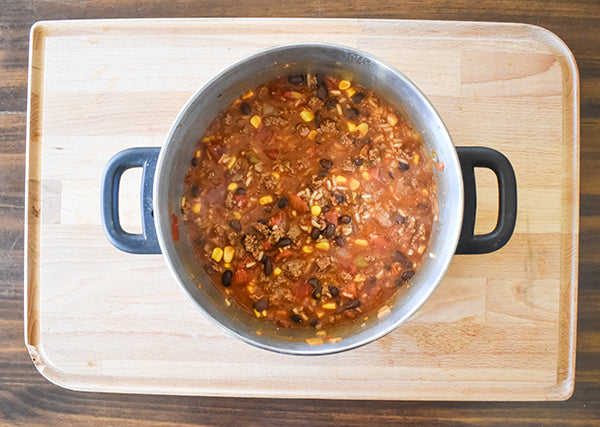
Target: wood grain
(103,86)
(27,399)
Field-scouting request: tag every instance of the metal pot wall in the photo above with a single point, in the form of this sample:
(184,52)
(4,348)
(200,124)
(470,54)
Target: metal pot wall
(164,170)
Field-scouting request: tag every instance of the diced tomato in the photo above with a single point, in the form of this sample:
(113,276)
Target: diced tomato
(265,134)
(286,253)
(332,217)
(380,242)
(240,277)
(216,151)
(349,290)
(276,219)
(348,265)
(297,204)
(174,228)
(272,153)
(266,245)
(241,200)
(302,291)
(375,173)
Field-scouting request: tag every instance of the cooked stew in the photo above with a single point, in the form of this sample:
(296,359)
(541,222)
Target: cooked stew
(309,201)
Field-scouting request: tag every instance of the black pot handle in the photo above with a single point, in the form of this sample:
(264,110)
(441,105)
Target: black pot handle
(470,158)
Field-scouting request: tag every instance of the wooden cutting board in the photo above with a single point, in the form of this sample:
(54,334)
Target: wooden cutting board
(501,326)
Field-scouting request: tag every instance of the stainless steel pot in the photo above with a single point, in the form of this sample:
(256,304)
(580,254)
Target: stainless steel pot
(162,189)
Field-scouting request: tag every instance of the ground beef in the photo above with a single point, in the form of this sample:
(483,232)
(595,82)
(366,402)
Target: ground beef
(229,201)
(346,141)
(328,126)
(294,269)
(268,182)
(226,119)
(262,229)
(302,130)
(277,121)
(294,232)
(315,103)
(348,166)
(252,245)
(323,262)
(276,235)
(383,218)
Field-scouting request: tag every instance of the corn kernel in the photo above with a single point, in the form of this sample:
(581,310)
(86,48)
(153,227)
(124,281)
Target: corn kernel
(366,176)
(354,184)
(416,159)
(322,245)
(232,186)
(196,208)
(351,127)
(237,215)
(363,128)
(329,306)
(321,333)
(265,200)
(255,121)
(360,278)
(350,92)
(314,341)
(341,179)
(315,210)
(217,254)
(182,202)
(228,253)
(197,154)
(275,175)
(344,84)
(307,116)
(361,242)
(307,249)
(425,192)
(312,134)
(227,265)
(231,162)
(293,95)
(248,94)
(392,119)
(256,313)
(277,271)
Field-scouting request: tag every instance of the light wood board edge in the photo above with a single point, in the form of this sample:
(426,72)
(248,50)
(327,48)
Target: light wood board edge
(570,228)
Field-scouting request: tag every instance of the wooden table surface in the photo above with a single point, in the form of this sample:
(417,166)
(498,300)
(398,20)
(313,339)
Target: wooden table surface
(26,398)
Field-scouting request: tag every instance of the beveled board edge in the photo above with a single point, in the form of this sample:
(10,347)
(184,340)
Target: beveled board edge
(562,390)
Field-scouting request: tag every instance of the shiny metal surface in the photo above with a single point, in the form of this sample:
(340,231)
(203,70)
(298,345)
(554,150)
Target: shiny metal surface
(260,68)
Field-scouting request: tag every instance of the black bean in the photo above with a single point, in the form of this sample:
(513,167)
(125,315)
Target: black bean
(315,233)
(358,162)
(399,256)
(329,231)
(322,173)
(330,103)
(387,267)
(423,206)
(261,305)
(296,79)
(345,219)
(195,162)
(296,318)
(284,241)
(235,225)
(322,92)
(408,264)
(262,221)
(357,97)
(245,108)
(314,322)
(333,290)
(326,163)
(283,202)
(340,241)
(317,292)
(398,282)
(403,166)
(314,282)
(339,198)
(268,266)
(263,259)
(240,191)
(226,278)
(391,175)
(371,280)
(399,219)
(349,305)
(318,119)
(350,113)
(326,208)
(408,274)
(195,191)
